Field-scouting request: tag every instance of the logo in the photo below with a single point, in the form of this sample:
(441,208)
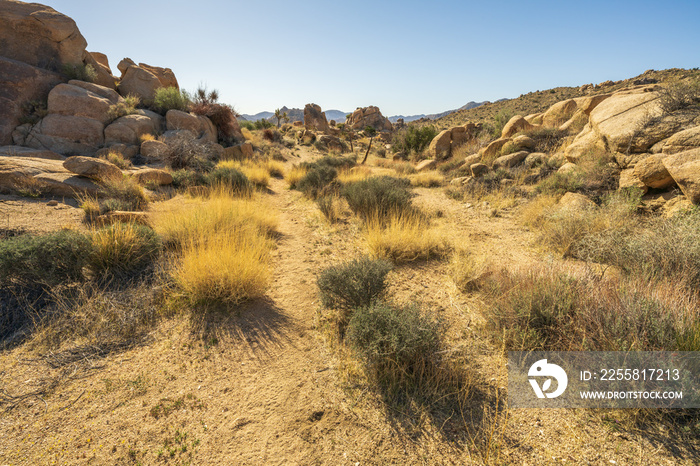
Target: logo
(551,371)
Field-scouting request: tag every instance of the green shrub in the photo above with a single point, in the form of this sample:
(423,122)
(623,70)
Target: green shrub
(231,178)
(185,178)
(399,345)
(379,196)
(170,98)
(127,107)
(499,122)
(413,139)
(353,284)
(123,250)
(315,180)
(47,259)
(80,72)
(253,125)
(123,194)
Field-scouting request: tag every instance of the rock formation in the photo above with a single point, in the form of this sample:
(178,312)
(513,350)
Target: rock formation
(315,119)
(369,116)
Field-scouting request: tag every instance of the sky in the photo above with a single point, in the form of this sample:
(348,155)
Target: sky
(406,57)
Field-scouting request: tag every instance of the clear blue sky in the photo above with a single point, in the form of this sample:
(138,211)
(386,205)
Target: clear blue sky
(406,57)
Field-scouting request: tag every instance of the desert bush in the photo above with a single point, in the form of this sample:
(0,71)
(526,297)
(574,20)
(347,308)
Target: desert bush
(547,140)
(79,72)
(593,176)
(33,111)
(294,175)
(275,168)
(117,159)
(272,135)
(413,139)
(186,152)
(171,98)
(126,107)
(398,344)
(44,260)
(451,164)
(256,172)
(353,284)
(404,237)
(680,95)
(656,249)
(378,196)
(256,125)
(185,178)
(499,122)
(222,115)
(315,180)
(123,194)
(549,310)
(123,250)
(330,206)
(230,178)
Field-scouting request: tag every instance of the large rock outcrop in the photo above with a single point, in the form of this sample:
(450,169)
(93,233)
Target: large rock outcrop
(369,116)
(21,83)
(39,35)
(139,82)
(67,135)
(448,140)
(315,118)
(684,167)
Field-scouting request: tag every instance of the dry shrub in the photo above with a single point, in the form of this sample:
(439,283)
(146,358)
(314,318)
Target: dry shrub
(404,237)
(468,271)
(146,137)
(222,115)
(294,175)
(122,194)
(274,167)
(550,310)
(331,206)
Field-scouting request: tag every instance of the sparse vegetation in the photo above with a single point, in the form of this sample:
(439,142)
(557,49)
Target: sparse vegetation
(127,107)
(117,159)
(80,72)
(404,237)
(413,139)
(171,98)
(122,194)
(378,197)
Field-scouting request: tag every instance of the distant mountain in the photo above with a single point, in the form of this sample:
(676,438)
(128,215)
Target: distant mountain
(294,114)
(435,116)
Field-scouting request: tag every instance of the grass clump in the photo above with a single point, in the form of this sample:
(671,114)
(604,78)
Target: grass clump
(257,173)
(171,98)
(117,159)
(229,178)
(430,179)
(315,180)
(378,196)
(126,107)
(404,237)
(44,260)
(593,176)
(294,175)
(185,178)
(123,194)
(124,250)
(468,271)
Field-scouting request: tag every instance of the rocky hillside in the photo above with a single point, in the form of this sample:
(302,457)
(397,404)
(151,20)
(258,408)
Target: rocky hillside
(540,100)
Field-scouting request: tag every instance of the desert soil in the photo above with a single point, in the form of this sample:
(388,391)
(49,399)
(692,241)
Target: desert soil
(266,385)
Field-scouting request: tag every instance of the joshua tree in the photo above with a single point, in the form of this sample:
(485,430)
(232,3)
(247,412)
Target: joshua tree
(279,115)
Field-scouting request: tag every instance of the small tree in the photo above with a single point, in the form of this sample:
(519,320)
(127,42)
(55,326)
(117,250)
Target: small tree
(371,132)
(279,116)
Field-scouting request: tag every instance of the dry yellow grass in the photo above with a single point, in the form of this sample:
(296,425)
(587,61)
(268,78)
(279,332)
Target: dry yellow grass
(405,237)
(117,159)
(294,175)
(147,137)
(467,270)
(256,173)
(225,245)
(354,174)
(221,211)
(430,179)
(274,167)
(226,267)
